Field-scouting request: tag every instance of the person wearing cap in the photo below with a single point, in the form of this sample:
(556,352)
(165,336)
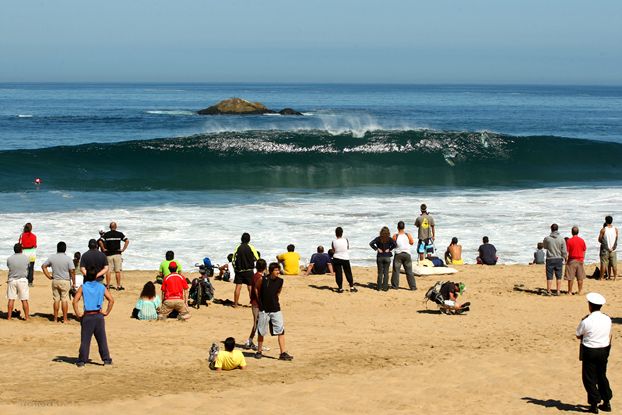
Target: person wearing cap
(94,258)
(450,292)
(594,331)
(174,295)
(426,233)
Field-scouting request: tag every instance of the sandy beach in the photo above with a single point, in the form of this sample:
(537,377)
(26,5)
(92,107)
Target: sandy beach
(365,352)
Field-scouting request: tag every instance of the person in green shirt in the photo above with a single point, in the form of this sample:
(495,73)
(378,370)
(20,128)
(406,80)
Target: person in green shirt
(164,271)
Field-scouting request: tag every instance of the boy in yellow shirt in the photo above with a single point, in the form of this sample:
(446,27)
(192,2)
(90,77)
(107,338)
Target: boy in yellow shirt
(228,359)
(290,261)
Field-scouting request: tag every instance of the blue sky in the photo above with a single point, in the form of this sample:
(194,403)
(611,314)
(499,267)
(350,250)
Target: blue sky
(389,41)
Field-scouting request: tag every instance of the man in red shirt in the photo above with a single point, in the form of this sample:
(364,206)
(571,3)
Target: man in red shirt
(576,254)
(174,295)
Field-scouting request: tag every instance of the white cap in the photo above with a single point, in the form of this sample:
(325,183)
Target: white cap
(595,298)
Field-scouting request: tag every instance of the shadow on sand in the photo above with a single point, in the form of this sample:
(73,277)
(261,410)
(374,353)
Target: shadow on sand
(559,405)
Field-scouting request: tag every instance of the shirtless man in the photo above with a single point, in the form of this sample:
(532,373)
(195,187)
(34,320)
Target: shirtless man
(453,255)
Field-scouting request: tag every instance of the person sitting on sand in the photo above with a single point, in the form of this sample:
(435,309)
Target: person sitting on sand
(146,307)
(174,295)
(487,253)
(228,359)
(453,254)
(539,255)
(450,292)
(319,263)
(164,270)
(290,261)
(92,319)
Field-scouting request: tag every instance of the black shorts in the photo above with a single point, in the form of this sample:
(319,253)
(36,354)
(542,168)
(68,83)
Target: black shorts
(243,277)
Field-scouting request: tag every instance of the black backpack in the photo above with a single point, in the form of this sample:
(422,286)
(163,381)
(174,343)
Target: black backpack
(434,293)
(201,292)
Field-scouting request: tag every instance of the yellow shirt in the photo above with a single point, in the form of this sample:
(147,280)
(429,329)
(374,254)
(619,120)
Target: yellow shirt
(230,360)
(291,262)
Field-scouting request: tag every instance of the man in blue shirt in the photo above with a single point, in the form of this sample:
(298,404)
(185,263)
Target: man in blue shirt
(92,320)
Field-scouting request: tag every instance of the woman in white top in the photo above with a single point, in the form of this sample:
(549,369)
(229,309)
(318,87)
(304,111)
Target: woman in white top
(341,261)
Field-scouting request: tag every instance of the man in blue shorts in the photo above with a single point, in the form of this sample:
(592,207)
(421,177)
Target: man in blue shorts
(426,234)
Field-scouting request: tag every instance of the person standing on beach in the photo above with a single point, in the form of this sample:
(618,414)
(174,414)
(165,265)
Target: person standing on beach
(17,284)
(426,233)
(28,241)
(270,319)
(243,261)
(576,255)
(608,238)
(594,331)
(341,261)
(94,258)
(111,244)
(383,245)
(92,322)
(63,277)
(403,242)
(261,268)
(556,254)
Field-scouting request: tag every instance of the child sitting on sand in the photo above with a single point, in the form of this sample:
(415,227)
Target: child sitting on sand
(146,307)
(539,255)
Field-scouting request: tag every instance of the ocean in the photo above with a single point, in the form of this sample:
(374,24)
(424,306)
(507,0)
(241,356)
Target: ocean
(500,161)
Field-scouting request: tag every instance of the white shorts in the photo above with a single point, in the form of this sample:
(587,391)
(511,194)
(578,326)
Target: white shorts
(18,289)
(273,321)
(449,303)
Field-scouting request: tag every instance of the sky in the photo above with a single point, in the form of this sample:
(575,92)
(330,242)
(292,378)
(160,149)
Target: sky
(357,41)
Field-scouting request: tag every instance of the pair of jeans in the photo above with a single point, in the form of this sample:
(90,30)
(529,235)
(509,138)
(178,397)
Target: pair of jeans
(403,259)
(384,263)
(31,273)
(342,266)
(93,324)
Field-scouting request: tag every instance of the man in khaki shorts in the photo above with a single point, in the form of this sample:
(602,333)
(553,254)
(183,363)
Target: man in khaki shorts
(174,295)
(110,243)
(17,284)
(576,255)
(63,278)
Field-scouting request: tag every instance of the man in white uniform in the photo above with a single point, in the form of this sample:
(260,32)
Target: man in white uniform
(594,331)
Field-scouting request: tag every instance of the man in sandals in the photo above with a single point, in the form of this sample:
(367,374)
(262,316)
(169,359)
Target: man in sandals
(267,291)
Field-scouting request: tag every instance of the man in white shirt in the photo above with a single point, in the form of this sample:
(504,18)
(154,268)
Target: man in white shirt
(594,331)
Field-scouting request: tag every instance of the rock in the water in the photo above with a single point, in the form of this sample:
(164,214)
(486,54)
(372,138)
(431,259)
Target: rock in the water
(236,106)
(289,111)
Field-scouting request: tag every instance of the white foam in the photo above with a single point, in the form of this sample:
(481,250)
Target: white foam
(201,224)
(24,115)
(171,112)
